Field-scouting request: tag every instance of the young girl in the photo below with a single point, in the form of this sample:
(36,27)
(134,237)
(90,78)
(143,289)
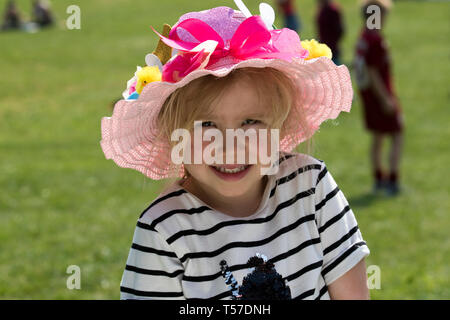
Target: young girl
(383,115)
(234,72)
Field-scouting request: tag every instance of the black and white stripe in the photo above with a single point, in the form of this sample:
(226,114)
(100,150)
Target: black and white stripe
(163,198)
(306,229)
(236,222)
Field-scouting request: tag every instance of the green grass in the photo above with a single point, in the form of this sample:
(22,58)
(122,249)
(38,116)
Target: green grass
(62,203)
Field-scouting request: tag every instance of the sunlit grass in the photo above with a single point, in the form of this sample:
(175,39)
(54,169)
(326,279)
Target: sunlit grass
(62,203)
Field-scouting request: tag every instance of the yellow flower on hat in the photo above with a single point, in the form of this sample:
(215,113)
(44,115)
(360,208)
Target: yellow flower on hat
(147,75)
(316,49)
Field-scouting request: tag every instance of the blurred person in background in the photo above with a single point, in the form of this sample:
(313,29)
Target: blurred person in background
(382,111)
(330,26)
(42,14)
(291,18)
(11,18)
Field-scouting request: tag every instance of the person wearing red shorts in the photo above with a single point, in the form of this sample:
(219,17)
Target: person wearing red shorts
(383,114)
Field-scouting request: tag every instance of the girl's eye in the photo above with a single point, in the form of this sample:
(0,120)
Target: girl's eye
(251,121)
(207,124)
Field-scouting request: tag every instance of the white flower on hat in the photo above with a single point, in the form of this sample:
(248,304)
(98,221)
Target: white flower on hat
(153,60)
(266,12)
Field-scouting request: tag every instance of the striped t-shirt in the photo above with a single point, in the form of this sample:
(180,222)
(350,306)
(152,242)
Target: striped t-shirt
(303,225)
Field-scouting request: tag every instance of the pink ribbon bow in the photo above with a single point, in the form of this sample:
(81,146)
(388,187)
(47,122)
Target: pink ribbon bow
(251,40)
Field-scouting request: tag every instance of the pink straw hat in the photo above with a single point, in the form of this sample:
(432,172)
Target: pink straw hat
(216,42)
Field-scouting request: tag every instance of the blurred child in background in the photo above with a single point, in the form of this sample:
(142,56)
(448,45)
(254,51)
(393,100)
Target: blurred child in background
(42,14)
(382,111)
(330,26)
(11,19)
(291,18)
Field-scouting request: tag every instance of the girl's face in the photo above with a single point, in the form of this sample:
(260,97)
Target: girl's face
(238,108)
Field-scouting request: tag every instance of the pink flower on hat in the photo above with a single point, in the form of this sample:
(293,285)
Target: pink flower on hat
(185,62)
(201,45)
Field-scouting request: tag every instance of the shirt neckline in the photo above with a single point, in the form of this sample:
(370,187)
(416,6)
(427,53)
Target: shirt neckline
(262,205)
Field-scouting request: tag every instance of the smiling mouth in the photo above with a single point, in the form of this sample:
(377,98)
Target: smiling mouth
(234,169)
(231,170)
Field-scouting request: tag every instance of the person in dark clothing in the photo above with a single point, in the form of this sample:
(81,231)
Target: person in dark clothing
(12,19)
(42,14)
(330,26)
(383,115)
(291,18)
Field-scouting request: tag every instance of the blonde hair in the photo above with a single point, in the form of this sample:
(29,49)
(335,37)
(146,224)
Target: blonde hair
(189,103)
(273,87)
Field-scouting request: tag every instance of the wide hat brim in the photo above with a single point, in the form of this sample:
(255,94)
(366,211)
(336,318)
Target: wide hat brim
(129,136)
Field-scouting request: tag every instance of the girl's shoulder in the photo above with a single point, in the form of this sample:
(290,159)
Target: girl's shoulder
(297,171)
(172,200)
(300,162)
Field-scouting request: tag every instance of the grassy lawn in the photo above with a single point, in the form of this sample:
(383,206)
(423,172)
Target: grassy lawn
(62,203)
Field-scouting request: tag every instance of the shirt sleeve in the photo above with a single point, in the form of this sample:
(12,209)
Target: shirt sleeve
(153,271)
(342,243)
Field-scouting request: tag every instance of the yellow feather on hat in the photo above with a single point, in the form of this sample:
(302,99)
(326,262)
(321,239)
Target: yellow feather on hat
(316,49)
